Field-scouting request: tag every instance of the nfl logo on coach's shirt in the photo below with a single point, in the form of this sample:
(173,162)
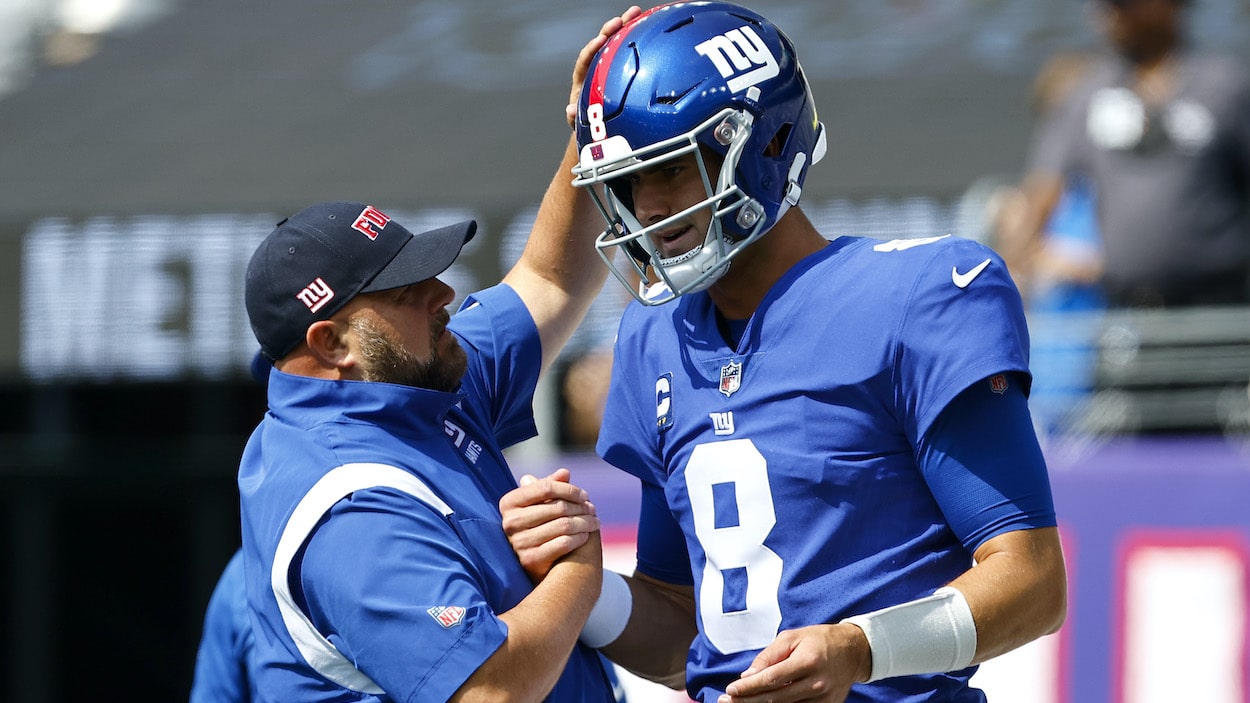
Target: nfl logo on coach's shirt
(447,615)
(730,378)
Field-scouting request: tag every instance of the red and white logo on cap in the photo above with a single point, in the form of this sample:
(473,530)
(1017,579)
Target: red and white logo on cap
(370,222)
(315,294)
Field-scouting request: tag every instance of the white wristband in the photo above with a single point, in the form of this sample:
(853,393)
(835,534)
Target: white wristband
(607,619)
(925,636)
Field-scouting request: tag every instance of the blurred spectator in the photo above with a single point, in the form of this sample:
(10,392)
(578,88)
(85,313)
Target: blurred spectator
(1064,267)
(1163,133)
(583,392)
(1065,257)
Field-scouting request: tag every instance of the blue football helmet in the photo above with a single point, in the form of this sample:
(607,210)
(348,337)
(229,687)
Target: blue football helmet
(679,79)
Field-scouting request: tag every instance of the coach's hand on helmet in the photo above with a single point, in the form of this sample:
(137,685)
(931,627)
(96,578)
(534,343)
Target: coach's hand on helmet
(582,67)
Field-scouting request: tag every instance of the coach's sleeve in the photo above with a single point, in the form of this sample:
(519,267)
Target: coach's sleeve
(394,586)
(505,356)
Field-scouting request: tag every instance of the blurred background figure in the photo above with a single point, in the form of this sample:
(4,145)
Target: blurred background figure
(1163,133)
(1062,267)
(1155,139)
(583,392)
(1067,263)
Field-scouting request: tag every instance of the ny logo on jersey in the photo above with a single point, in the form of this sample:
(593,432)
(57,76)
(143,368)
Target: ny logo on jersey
(722,423)
(664,402)
(742,58)
(315,294)
(730,378)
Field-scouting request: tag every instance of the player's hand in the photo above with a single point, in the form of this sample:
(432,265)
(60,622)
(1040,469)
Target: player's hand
(817,663)
(582,66)
(546,519)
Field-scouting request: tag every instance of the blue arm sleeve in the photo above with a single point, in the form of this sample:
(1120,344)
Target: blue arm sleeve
(223,668)
(661,545)
(982,461)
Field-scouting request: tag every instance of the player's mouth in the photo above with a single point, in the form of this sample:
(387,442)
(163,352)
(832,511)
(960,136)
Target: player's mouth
(674,242)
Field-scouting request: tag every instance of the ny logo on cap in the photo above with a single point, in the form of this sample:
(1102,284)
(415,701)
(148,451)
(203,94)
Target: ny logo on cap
(315,295)
(370,219)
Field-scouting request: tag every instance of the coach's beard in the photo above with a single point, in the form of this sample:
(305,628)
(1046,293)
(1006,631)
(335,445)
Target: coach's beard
(384,360)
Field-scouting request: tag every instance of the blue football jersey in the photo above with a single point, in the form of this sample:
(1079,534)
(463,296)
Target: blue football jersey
(790,460)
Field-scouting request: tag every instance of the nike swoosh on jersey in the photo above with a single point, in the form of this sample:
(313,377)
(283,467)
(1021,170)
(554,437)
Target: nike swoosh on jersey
(963,279)
(904,244)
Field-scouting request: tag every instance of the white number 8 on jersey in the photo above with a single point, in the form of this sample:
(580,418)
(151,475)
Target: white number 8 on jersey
(739,467)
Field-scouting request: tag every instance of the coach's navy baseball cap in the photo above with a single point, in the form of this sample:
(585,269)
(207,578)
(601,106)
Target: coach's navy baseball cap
(316,260)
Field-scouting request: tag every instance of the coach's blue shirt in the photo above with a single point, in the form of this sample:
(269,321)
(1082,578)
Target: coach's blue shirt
(794,462)
(395,592)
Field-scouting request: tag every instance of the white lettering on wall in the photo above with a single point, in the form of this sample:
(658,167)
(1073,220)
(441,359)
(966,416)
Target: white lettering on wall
(152,297)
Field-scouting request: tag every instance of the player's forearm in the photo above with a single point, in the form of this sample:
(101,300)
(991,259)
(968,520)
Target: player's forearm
(1017,591)
(561,242)
(656,640)
(542,631)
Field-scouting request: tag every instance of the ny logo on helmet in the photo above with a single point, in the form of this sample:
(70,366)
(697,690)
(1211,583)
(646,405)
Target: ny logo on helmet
(742,58)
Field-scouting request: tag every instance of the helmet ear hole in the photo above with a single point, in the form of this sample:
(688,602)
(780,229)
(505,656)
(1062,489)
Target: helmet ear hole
(777,145)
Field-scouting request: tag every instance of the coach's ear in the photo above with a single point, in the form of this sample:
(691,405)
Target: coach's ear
(327,341)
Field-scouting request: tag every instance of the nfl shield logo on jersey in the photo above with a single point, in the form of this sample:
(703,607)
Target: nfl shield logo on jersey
(998,383)
(447,615)
(730,378)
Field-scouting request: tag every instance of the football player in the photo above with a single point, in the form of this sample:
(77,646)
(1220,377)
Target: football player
(842,493)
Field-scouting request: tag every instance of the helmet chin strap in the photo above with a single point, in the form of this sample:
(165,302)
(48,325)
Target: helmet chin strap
(683,274)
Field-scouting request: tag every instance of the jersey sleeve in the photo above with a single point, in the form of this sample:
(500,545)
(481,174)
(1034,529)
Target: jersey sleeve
(982,462)
(505,357)
(661,545)
(629,430)
(964,321)
(393,585)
